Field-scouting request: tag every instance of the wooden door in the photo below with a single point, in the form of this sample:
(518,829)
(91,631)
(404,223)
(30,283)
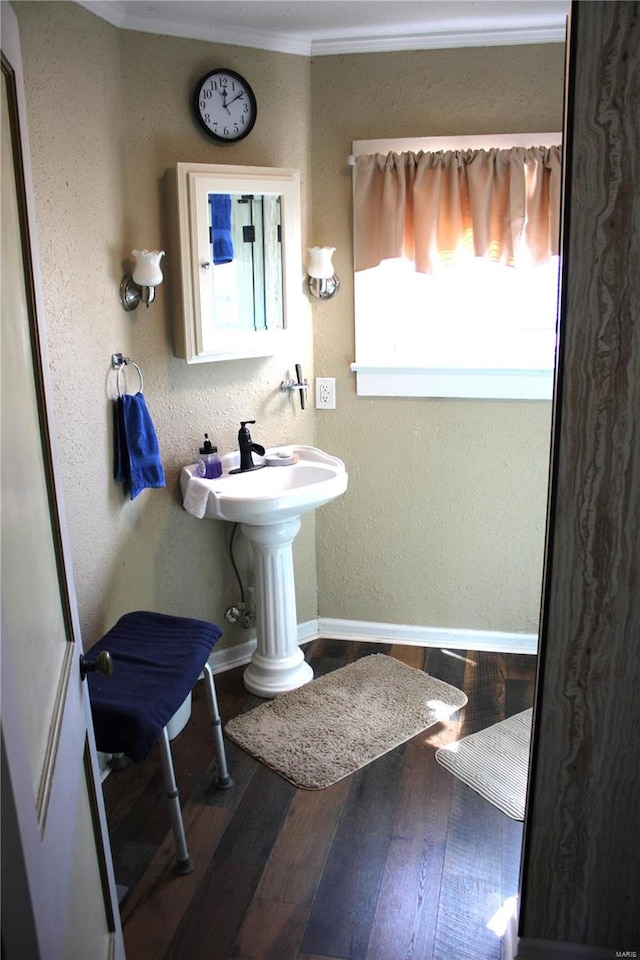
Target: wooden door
(58,890)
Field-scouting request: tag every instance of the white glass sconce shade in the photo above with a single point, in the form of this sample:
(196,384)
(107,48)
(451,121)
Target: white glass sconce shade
(147,272)
(321,262)
(147,275)
(323,282)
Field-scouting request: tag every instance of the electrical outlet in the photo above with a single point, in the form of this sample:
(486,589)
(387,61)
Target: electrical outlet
(325,393)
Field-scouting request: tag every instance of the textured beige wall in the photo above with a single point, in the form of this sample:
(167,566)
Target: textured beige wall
(109,112)
(443,522)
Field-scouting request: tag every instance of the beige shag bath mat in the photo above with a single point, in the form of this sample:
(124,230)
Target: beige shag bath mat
(332,726)
(494,762)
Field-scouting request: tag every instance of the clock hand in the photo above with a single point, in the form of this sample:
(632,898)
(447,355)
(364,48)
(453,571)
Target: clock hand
(237,97)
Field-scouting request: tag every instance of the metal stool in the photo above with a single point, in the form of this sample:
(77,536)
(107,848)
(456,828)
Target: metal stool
(156,660)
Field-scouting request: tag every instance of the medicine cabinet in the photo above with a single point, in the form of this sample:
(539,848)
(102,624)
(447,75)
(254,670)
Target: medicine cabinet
(238,259)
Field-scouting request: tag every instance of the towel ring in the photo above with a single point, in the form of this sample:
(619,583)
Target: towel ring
(119,362)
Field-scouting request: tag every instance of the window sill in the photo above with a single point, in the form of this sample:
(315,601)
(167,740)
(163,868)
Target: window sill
(380,381)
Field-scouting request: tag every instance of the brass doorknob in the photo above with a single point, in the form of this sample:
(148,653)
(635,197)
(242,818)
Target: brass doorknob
(103,663)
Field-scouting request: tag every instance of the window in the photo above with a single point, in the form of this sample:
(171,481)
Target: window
(464,325)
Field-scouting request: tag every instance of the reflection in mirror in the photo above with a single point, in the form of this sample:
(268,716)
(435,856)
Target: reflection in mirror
(246,274)
(239,289)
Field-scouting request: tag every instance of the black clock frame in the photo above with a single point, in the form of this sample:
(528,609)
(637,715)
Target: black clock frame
(195,101)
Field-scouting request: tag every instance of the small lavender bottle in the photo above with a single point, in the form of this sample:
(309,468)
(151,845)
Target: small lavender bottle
(209,463)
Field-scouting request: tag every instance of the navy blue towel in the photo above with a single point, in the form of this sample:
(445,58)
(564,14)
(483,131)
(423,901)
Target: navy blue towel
(221,241)
(157,659)
(137,454)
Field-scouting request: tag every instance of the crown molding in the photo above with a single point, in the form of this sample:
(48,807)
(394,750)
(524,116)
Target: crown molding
(132,16)
(440,41)
(125,16)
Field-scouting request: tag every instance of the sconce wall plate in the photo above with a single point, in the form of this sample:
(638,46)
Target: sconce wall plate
(322,288)
(131,295)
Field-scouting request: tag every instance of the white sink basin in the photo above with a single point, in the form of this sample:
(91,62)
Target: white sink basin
(266,496)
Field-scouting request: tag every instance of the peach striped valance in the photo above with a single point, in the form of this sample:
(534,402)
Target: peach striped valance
(500,204)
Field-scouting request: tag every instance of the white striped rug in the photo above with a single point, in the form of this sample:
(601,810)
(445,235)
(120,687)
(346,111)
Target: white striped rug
(494,762)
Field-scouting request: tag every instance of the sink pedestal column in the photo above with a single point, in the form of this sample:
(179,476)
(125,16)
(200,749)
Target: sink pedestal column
(278,663)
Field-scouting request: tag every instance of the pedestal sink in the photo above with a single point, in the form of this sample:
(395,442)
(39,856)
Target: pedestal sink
(268,503)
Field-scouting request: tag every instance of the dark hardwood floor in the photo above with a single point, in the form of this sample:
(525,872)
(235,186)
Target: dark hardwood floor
(400,861)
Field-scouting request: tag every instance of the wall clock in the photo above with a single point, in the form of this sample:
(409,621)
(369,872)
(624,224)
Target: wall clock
(225,105)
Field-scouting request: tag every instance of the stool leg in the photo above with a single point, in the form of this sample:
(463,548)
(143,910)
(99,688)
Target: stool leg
(224,781)
(184,864)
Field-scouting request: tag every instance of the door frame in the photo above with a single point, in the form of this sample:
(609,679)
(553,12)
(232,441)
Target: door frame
(38,825)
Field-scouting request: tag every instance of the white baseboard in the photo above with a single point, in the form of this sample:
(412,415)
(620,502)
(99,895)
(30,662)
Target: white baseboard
(373,632)
(530,949)
(309,631)
(490,640)
(230,657)
(227,659)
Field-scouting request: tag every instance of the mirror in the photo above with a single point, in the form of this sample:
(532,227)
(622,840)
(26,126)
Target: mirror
(239,260)
(243,281)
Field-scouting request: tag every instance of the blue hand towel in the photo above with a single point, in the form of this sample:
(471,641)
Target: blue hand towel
(137,454)
(221,241)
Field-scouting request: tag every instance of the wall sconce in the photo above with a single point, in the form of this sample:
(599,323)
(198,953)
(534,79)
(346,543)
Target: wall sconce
(323,282)
(147,275)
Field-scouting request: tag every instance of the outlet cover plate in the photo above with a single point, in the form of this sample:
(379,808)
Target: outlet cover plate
(325,393)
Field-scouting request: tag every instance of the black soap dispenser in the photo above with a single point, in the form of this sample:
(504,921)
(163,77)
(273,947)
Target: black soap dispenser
(209,463)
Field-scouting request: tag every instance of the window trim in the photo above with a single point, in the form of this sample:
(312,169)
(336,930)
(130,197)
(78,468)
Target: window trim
(452,383)
(439,382)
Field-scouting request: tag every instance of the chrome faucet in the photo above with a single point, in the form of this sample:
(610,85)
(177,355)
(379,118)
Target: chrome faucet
(247,448)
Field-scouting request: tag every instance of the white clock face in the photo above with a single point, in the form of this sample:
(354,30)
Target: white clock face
(225,105)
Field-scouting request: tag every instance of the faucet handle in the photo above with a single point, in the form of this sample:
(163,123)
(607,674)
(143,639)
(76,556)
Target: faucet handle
(243,423)
(302,384)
